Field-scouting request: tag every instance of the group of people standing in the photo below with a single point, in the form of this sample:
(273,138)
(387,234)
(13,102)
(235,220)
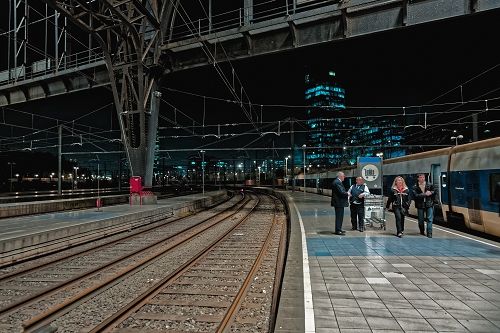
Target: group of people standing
(341,199)
(400,196)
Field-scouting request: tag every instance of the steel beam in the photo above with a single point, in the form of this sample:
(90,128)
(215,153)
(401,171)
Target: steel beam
(130,34)
(329,23)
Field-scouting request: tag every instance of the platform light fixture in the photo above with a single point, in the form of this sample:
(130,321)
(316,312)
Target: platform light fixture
(11,166)
(456,138)
(75,182)
(304,146)
(203,172)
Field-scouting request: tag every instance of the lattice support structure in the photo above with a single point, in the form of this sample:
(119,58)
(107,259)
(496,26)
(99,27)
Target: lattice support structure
(130,34)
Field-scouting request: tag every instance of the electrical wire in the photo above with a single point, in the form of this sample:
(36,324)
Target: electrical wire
(227,58)
(212,58)
(349,107)
(464,83)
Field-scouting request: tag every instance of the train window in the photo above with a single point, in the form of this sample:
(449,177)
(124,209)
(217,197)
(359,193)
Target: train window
(495,187)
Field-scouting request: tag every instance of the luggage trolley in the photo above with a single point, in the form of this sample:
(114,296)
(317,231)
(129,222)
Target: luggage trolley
(374,210)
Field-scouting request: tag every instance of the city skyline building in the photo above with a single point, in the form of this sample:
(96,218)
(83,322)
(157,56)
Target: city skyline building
(335,136)
(325,99)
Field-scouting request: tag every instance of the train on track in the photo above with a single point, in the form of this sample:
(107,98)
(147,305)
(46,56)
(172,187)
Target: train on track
(467,176)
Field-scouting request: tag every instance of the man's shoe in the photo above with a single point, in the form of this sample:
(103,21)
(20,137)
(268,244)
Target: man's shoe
(429,234)
(354,228)
(422,233)
(400,235)
(342,232)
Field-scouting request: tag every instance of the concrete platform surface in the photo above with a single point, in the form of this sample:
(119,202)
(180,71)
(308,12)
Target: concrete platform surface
(373,281)
(25,236)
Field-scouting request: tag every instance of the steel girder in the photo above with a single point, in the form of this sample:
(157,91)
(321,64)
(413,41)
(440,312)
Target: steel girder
(335,21)
(130,33)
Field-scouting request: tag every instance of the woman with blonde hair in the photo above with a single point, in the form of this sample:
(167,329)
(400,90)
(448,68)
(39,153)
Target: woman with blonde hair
(399,196)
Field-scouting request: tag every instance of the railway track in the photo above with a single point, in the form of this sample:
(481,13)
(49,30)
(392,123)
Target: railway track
(92,299)
(29,290)
(41,246)
(108,237)
(228,287)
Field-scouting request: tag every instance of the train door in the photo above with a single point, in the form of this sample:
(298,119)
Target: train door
(435,179)
(473,194)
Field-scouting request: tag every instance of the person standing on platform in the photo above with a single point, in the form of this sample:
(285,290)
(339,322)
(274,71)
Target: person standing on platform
(339,201)
(424,195)
(357,193)
(399,196)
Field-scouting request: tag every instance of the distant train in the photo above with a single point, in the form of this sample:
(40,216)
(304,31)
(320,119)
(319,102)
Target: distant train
(467,176)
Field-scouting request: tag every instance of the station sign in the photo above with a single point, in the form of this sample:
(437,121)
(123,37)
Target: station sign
(370,168)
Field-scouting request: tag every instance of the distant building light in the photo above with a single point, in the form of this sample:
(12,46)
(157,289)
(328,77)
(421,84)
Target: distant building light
(331,73)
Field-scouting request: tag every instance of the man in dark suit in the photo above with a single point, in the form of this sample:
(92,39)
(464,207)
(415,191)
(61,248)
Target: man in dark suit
(339,201)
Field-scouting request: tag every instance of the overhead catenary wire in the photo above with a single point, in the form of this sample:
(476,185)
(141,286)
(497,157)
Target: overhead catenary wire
(235,74)
(343,118)
(56,120)
(465,82)
(468,102)
(231,136)
(353,107)
(206,147)
(461,102)
(419,113)
(224,137)
(216,66)
(307,130)
(427,125)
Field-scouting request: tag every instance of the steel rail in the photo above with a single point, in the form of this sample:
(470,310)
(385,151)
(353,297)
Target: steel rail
(49,315)
(111,322)
(30,269)
(43,293)
(240,296)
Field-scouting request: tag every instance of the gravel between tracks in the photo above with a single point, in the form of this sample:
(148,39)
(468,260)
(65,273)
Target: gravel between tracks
(91,312)
(12,322)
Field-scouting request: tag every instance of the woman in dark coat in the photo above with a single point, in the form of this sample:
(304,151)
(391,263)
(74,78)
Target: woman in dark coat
(399,197)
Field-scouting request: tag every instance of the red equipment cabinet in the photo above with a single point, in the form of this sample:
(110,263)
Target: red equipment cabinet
(135,184)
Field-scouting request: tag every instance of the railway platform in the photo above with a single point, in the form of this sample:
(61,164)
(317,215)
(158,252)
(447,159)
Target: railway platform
(373,281)
(26,236)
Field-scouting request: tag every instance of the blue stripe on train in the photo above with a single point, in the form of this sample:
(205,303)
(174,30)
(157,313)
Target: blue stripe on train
(470,189)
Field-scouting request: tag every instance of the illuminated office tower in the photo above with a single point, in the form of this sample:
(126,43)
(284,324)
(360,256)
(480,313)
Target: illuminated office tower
(327,133)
